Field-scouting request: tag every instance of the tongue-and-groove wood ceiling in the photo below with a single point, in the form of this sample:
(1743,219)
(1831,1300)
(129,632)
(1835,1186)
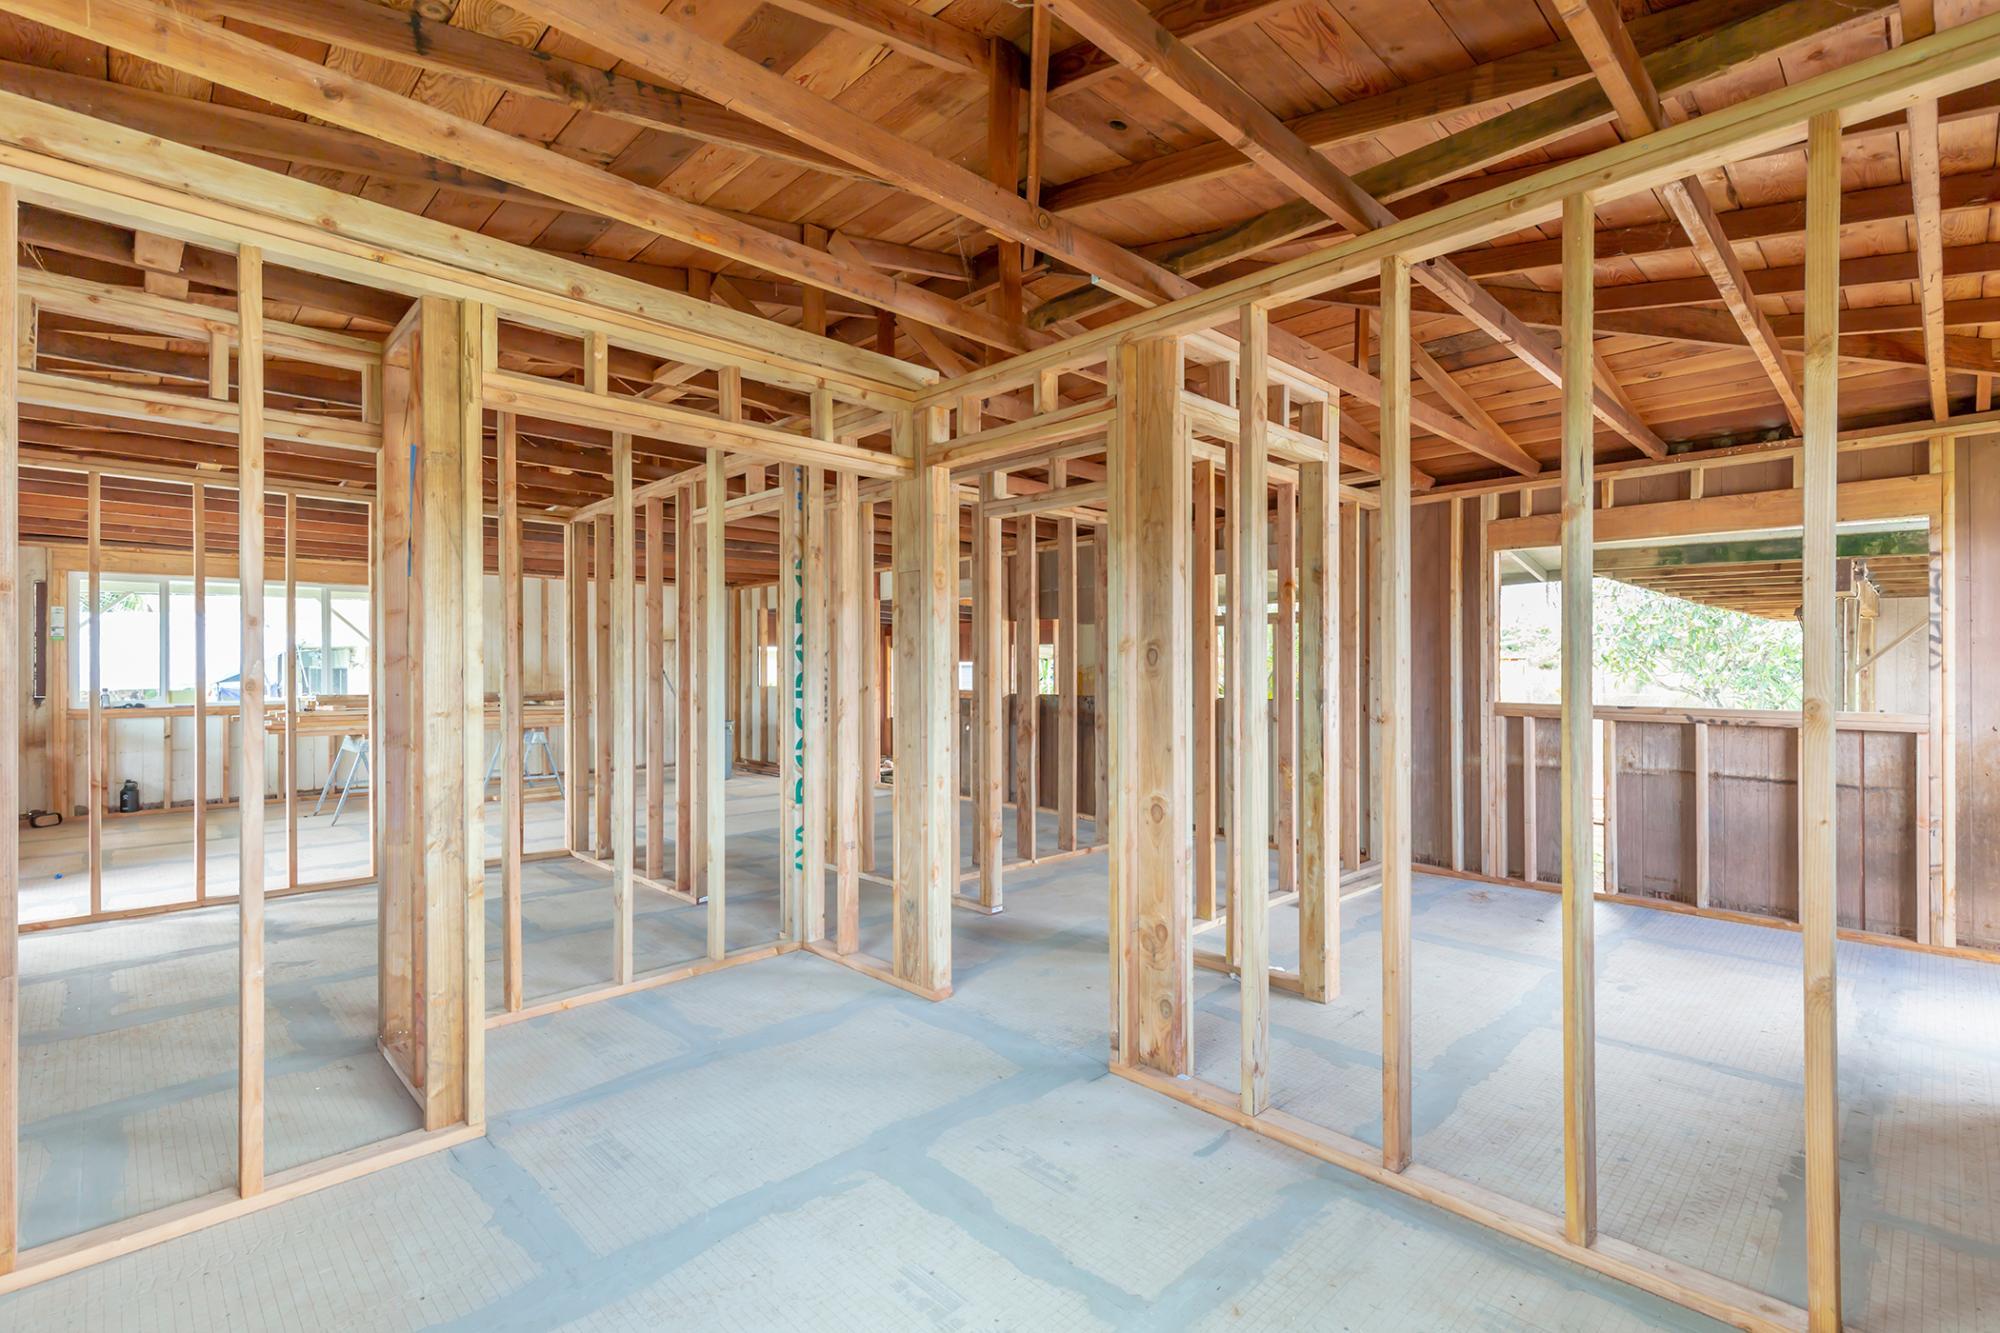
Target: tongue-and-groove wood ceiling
(1417,101)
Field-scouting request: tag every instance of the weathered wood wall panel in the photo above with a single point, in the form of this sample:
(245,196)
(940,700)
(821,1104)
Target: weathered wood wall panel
(1430,692)
(1472,764)
(1754,825)
(1655,801)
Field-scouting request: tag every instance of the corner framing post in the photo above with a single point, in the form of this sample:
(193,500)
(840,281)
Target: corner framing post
(1579,947)
(1319,711)
(1393,770)
(250,811)
(1250,706)
(10,742)
(623,715)
(1150,470)
(512,757)
(1818,843)
(450,795)
(925,559)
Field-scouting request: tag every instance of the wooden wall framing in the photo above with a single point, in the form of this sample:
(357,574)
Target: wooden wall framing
(433,884)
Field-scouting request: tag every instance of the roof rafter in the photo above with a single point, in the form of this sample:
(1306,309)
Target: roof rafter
(655,42)
(1919,21)
(1177,71)
(180,40)
(1075,68)
(412,39)
(1542,70)
(1546,120)
(901,28)
(1601,34)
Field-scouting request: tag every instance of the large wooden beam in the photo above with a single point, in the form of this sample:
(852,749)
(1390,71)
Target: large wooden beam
(1150,464)
(925,558)
(1076,68)
(179,40)
(1919,20)
(902,28)
(250,814)
(229,129)
(1818,844)
(451,808)
(1600,32)
(1906,497)
(411,38)
(1579,948)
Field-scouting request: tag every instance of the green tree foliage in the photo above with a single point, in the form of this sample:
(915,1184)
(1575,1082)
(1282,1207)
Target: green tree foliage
(1649,641)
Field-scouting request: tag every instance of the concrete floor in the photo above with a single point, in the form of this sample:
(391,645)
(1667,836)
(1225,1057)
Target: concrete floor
(128,1056)
(790,1144)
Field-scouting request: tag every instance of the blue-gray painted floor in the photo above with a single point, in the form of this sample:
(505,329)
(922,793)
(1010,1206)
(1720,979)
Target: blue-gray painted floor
(792,1145)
